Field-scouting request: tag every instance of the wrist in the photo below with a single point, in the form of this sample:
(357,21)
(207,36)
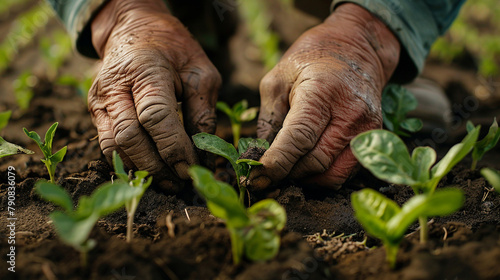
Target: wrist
(116,13)
(370,33)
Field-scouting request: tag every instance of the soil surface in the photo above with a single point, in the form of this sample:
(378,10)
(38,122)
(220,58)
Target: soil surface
(175,237)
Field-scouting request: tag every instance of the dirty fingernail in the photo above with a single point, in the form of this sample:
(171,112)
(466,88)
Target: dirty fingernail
(260,183)
(182,170)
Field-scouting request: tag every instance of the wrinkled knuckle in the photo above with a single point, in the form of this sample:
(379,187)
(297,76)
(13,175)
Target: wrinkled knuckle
(152,115)
(270,84)
(126,135)
(304,137)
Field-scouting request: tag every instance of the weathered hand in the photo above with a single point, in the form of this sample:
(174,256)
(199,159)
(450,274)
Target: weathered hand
(325,90)
(150,63)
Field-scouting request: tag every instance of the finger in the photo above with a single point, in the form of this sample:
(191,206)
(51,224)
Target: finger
(103,123)
(338,172)
(301,130)
(156,105)
(200,88)
(274,94)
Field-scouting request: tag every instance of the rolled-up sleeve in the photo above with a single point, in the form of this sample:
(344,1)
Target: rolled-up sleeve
(76,16)
(416,23)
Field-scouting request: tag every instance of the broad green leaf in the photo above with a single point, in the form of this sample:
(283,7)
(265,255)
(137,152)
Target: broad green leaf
(269,213)
(493,177)
(412,125)
(221,198)
(71,231)
(214,144)
(385,155)
(249,114)
(373,210)
(423,158)
(58,156)
(440,203)
(55,194)
(119,167)
(110,197)
(261,244)
(4,119)
(9,149)
(487,143)
(454,155)
(35,137)
(246,143)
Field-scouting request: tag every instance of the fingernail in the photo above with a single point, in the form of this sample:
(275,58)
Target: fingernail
(182,170)
(260,183)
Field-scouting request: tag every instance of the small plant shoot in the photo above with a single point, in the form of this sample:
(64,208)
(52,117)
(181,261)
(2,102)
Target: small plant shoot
(254,232)
(396,103)
(493,177)
(242,167)
(74,225)
(384,219)
(239,114)
(50,160)
(7,148)
(139,183)
(485,144)
(387,157)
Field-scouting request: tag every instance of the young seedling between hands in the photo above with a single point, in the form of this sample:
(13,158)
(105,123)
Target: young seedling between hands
(255,231)
(6,148)
(74,225)
(396,103)
(486,144)
(387,157)
(50,160)
(242,167)
(385,220)
(239,114)
(139,183)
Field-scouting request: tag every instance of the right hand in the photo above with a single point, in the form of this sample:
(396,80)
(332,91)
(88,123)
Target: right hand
(150,63)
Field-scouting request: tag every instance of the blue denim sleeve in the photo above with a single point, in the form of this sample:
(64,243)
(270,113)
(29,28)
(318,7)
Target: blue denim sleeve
(76,16)
(416,23)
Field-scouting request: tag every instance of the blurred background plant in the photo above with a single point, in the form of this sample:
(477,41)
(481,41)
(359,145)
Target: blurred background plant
(476,30)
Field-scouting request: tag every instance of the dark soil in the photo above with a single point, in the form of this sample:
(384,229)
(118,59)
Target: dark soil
(177,238)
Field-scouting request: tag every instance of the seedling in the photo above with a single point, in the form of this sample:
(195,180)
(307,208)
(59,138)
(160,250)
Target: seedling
(255,231)
(139,183)
(396,103)
(239,114)
(493,177)
(7,148)
(385,220)
(242,167)
(50,160)
(386,156)
(485,144)
(74,225)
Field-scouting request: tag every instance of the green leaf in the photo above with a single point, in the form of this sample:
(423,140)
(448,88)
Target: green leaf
(261,244)
(216,145)
(9,149)
(222,106)
(248,161)
(35,137)
(119,167)
(269,213)
(487,143)
(249,114)
(239,108)
(412,125)
(385,155)
(112,196)
(72,231)
(470,126)
(423,158)
(246,143)
(49,137)
(454,155)
(55,194)
(221,198)
(493,177)
(58,156)
(4,119)
(373,210)
(442,202)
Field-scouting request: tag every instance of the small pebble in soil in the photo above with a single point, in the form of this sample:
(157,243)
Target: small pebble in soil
(487,206)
